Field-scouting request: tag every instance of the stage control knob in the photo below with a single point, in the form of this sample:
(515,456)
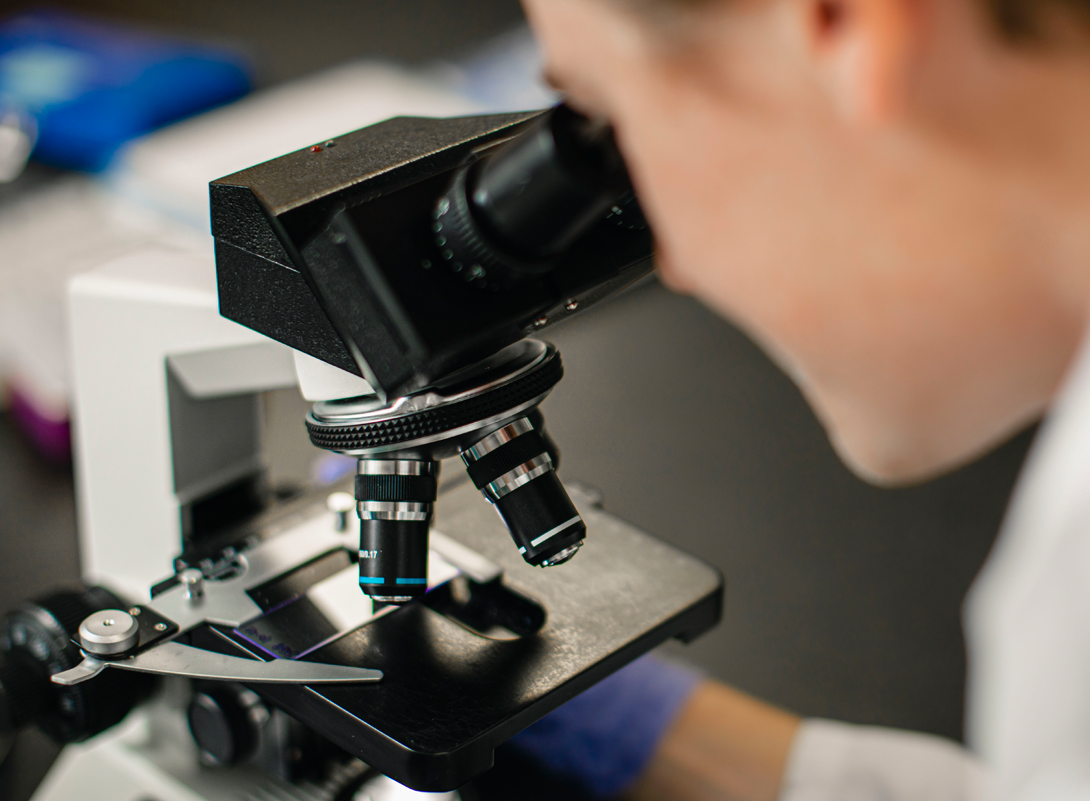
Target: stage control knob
(225,722)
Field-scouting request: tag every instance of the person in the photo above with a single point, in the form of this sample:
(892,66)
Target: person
(892,197)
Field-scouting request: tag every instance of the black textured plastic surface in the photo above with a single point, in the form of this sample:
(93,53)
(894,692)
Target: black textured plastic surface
(419,489)
(419,144)
(417,425)
(274,299)
(505,458)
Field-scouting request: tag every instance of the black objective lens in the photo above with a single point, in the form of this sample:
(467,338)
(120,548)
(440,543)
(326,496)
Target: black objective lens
(395,500)
(513,469)
(513,212)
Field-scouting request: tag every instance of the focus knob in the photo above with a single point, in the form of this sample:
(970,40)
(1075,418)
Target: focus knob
(36,641)
(225,723)
(25,694)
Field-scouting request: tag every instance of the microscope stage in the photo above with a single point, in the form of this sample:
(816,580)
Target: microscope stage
(450,693)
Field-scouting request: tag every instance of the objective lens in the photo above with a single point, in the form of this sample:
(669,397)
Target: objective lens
(514,471)
(395,501)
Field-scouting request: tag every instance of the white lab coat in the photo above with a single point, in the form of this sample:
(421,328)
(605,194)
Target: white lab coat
(1027,622)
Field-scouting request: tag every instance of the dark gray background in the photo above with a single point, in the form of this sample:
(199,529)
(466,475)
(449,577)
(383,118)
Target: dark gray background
(286,38)
(843,599)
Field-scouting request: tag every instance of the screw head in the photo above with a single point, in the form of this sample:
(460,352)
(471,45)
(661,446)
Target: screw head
(161,627)
(571,305)
(540,322)
(135,611)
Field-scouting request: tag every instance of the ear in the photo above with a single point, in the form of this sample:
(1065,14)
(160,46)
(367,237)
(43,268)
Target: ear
(863,51)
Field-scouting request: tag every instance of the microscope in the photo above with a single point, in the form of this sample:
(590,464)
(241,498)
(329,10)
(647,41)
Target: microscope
(400,626)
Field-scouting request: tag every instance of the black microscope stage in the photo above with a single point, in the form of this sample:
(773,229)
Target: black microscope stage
(451,694)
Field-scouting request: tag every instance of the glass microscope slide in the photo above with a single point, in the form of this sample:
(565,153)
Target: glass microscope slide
(327,610)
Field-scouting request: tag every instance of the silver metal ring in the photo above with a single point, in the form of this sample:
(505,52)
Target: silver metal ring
(519,477)
(527,355)
(455,434)
(561,557)
(394,510)
(395,467)
(497,439)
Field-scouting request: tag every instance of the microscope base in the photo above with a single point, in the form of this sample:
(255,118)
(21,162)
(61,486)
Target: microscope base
(152,756)
(149,758)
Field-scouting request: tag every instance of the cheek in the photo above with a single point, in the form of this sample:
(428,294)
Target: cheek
(884,285)
(720,193)
(673,278)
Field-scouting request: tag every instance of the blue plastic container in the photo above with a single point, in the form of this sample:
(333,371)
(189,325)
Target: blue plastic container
(91,86)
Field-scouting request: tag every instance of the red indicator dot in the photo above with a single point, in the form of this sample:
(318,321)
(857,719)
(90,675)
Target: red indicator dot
(316,149)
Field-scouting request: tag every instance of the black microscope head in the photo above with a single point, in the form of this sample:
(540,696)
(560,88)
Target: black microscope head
(414,248)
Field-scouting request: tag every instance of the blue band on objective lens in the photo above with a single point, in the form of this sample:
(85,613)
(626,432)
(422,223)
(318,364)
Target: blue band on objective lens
(371,580)
(412,581)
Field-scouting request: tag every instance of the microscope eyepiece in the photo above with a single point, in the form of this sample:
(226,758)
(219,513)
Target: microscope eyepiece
(515,472)
(513,212)
(395,500)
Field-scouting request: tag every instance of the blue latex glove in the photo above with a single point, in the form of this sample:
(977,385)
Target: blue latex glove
(605,738)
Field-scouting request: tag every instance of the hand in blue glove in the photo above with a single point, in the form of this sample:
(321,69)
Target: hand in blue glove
(605,738)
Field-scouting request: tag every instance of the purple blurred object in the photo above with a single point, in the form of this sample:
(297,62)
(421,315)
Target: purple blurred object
(50,436)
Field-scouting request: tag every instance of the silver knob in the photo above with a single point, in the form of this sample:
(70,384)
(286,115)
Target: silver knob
(341,504)
(109,632)
(192,583)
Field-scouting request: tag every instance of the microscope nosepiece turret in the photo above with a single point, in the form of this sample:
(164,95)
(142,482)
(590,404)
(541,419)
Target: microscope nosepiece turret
(489,416)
